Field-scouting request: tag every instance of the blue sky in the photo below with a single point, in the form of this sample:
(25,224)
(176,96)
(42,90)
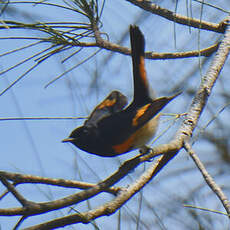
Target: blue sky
(34,147)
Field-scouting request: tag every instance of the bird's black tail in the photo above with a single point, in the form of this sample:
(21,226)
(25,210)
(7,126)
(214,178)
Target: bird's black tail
(141,86)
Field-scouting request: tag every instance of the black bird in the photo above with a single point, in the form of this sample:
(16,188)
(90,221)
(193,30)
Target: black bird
(112,129)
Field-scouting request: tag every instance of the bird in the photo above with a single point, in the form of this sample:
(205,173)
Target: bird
(113,128)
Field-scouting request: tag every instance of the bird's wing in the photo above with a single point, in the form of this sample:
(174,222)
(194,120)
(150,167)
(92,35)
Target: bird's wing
(150,110)
(113,103)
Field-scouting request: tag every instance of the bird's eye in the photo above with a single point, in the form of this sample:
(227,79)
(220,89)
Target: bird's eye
(85,131)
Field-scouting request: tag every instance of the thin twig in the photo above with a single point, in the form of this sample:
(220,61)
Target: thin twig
(19,222)
(39,118)
(206,209)
(207,177)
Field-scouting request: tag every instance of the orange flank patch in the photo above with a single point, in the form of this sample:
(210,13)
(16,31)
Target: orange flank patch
(139,138)
(107,103)
(125,146)
(142,71)
(139,113)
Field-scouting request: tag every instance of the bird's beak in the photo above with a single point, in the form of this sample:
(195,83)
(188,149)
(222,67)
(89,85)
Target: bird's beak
(69,139)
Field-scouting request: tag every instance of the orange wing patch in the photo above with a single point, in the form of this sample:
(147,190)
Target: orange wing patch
(139,113)
(107,103)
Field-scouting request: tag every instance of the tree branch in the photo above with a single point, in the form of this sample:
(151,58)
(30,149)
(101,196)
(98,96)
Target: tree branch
(18,178)
(192,22)
(207,177)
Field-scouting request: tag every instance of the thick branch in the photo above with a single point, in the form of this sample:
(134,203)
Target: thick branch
(192,22)
(104,210)
(44,207)
(201,97)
